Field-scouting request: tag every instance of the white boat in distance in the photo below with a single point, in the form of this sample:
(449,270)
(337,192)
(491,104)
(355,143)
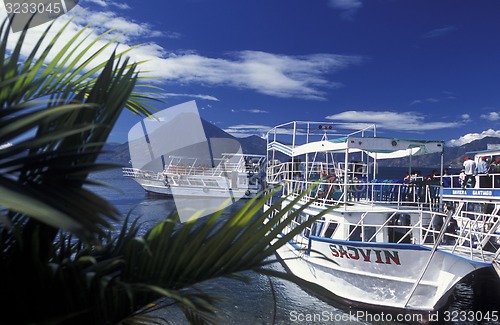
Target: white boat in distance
(389,244)
(232,175)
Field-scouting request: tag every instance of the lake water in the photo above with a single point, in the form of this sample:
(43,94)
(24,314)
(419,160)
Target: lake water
(253,303)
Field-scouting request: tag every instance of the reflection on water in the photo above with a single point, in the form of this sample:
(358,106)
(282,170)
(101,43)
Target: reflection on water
(254,303)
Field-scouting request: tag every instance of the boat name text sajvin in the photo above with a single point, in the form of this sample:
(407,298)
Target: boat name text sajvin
(378,256)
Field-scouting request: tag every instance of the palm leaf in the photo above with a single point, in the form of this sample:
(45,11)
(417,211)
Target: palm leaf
(56,238)
(58,115)
(180,255)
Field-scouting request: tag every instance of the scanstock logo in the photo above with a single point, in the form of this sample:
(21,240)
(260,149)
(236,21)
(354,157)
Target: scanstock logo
(31,13)
(171,154)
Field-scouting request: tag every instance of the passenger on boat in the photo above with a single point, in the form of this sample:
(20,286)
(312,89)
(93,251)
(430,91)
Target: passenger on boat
(493,166)
(417,176)
(470,170)
(494,171)
(482,171)
(432,176)
(407,178)
(482,166)
(446,179)
(461,178)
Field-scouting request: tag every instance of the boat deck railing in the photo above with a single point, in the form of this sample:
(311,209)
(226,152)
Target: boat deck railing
(491,180)
(278,172)
(139,173)
(248,164)
(458,234)
(193,170)
(377,191)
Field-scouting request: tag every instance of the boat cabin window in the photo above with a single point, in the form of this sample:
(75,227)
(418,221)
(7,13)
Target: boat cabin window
(317,227)
(299,219)
(355,233)
(399,225)
(330,230)
(368,233)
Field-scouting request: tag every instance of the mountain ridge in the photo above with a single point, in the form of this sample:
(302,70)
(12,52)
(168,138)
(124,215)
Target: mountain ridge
(453,156)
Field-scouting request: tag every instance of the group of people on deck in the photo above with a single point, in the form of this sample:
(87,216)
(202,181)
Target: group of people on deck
(487,173)
(482,169)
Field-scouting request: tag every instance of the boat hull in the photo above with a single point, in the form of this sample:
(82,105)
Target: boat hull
(154,186)
(378,274)
(158,187)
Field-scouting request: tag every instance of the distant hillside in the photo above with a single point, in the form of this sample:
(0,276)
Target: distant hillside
(456,154)
(453,156)
(119,153)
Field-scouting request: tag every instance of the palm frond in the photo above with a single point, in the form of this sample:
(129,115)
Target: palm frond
(59,253)
(57,114)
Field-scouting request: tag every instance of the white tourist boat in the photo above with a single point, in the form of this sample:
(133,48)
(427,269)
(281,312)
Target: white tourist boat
(232,175)
(388,244)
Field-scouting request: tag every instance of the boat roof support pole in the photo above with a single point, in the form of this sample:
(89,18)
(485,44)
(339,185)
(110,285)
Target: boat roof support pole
(307,134)
(375,156)
(409,166)
(293,147)
(362,151)
(306,169)
(441,178)
(267,149)
(274,151)
(346,160)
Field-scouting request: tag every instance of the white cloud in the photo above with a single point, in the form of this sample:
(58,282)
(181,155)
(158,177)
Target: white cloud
(197,96)
(465,118)
(439,32)
(428,100)
(398,121)
(246,130)
(472,137)
(106,4)
(266,73)
(305,76)
(128,32)
(255,111)
(101,21)
(492,116)
(348,7)
(346,4)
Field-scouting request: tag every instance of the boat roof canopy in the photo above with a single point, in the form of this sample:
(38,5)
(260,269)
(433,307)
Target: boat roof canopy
(488,152)
(376,147)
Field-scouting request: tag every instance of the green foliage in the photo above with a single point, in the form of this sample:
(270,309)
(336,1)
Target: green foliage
(57,109)
(60,260)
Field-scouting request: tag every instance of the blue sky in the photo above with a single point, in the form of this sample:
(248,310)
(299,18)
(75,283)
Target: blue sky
(421,69)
